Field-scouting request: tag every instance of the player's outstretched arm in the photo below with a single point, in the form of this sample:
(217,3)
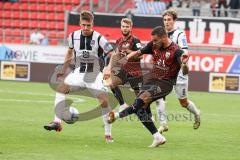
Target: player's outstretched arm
(108,67)
(133,54)
(67,61)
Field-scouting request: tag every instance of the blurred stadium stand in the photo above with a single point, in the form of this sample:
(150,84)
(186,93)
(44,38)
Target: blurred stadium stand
(144,7)
(19,19)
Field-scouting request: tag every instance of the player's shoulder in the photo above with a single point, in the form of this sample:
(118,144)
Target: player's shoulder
(119,39)
(179,31)
(135,38)
(137,42)
(97,35)
(74,34)
(77,32)
(174,46)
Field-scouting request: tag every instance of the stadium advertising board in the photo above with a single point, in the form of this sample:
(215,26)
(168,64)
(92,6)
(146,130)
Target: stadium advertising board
(15,71)
(200,31)
(222,82)
(207,62)
(32,53)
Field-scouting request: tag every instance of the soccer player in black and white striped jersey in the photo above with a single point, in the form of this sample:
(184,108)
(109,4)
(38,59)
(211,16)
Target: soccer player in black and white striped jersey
(181,88)
(86,47)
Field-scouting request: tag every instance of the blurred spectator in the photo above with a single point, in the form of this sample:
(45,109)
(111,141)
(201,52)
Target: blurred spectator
(168,3)
(235,5)
(214,6)
(183,3)
(219,6)
(150,7)
(8,0)
(196,7)
(45,41)
(206,4)
(186,3)
(175,3)
(36,37)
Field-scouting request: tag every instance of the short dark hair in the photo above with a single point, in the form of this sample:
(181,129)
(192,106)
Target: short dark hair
(86,15)
(159,31)
(172,13)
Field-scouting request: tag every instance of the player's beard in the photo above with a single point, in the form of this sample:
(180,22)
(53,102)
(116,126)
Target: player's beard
(157,46)
(125,34)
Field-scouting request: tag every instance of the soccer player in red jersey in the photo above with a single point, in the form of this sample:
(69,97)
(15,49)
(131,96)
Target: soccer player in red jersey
(168,59)
(130,72)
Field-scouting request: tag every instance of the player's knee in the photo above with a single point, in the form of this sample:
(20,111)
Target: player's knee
(104,103)
(112,85)
(103,100)
(183,102)
(64,89)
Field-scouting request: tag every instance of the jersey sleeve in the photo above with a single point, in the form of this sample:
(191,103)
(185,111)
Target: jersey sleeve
(178,54)
(147,49)
(136,44)
(70,41)
(182,40)
(105,45)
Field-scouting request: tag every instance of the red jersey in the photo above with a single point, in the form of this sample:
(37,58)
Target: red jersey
(166,61)
(132,43)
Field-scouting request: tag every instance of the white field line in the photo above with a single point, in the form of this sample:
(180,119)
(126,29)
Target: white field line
(33,101)
(82,100)
(25,100)
(26,93)
(35,94)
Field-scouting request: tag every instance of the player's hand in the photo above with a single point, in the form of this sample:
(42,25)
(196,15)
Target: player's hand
(122,61)
(184,58)
(106,73)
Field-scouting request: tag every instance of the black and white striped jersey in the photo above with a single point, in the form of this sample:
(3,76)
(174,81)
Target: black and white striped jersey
(88,49)
(178,36)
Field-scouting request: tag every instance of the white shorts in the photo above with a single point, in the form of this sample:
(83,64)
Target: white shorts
(92,81)
(181,90)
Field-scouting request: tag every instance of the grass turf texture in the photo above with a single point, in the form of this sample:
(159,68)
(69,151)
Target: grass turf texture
(25,107)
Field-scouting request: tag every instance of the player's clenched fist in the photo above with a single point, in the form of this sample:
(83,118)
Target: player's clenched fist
(184,58)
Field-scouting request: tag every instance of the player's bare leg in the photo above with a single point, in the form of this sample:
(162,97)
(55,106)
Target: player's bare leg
(103,99)
(191,107)
(56,125)
(113,84)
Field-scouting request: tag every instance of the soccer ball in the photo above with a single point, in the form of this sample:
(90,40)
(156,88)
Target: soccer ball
(74,115)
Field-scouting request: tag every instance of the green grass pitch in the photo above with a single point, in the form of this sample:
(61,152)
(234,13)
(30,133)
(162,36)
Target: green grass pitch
(25,107)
